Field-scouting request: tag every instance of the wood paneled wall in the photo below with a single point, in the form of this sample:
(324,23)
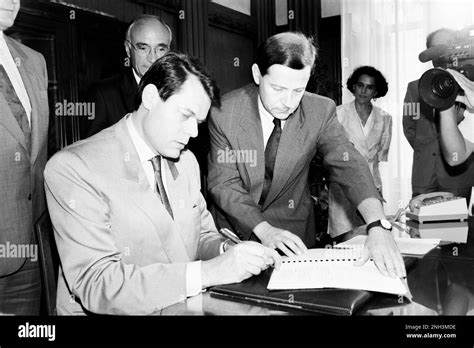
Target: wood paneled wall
(89,47)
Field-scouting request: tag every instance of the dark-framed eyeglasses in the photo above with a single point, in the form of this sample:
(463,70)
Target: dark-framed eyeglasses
(145,49)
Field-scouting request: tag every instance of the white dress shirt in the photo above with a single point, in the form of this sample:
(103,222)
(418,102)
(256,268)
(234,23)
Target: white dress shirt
(6,59)
(145,154)
(137,78)
(267,122)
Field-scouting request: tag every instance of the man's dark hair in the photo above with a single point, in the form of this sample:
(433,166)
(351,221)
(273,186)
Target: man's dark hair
(291,49)
(170,72)
(381,84)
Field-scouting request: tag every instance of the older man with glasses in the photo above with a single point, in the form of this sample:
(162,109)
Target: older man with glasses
(147,39)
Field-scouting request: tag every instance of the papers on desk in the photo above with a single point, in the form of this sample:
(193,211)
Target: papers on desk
(333,268)
(407,246)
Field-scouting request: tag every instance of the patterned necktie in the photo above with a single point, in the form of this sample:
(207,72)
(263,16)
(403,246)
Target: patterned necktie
(7,89)
(270,158)
(156,163)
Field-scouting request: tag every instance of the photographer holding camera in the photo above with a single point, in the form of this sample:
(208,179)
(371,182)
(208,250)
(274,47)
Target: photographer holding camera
(431,172)
(455,145)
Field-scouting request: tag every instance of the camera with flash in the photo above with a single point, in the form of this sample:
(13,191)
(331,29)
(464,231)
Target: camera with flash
(437,87)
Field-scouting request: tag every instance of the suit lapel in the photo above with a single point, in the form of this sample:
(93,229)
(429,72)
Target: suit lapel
(128,89)
(32,87)
(178,193)
(357,134)
(289,151)
(10,123)
(140,192)
(251,138)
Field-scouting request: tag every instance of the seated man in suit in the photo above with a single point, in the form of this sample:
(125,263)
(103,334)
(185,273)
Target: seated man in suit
(24,118)
(262,142)
(148,38)
(129,219)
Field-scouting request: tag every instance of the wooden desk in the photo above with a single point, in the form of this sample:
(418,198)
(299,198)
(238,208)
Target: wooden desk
(442,282)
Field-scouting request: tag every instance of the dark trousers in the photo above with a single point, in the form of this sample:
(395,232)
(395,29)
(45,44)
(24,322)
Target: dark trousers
(20,292)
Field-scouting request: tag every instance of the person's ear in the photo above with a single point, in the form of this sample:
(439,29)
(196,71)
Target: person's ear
(127,48)
(257,76)
(150,96)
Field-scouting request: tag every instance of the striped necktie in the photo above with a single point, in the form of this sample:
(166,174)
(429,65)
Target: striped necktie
(7,89)
(156,163)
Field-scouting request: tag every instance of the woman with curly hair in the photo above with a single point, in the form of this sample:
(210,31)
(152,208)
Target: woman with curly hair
(369,128)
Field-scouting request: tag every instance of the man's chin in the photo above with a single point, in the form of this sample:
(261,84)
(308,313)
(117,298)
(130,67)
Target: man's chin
(173,154)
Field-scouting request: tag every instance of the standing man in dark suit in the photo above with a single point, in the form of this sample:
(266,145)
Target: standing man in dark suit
(262,142)
(148,38)
(430,171)
(24,116)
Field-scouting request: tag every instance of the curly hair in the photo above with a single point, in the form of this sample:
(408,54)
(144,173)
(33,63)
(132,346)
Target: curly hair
(381,84)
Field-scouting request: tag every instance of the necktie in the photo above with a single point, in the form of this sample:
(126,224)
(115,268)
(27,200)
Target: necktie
(7,89)
(270,157)
(156,163)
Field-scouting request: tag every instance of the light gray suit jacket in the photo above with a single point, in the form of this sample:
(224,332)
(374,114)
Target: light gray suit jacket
(236,187)
(121,253)
(21,173)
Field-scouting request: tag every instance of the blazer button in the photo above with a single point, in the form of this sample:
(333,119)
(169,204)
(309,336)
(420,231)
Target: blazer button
(29,197)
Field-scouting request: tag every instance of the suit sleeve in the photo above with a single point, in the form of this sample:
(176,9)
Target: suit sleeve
(409,122)
(346,165)
(226,186)
(100,120)
(91,262)
(209,239)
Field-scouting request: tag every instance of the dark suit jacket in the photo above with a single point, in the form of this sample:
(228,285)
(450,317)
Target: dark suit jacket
(21,173)
(430,172)
(236,187)
(114,98)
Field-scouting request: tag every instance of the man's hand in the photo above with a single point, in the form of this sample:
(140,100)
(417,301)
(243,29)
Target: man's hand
(468,88)
(238,263)
(276,238)
(381,246)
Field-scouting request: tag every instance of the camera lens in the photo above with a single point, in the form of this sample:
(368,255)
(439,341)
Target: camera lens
(438,89)
(443,86)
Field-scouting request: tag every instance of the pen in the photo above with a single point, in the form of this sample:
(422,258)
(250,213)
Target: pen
(229,234)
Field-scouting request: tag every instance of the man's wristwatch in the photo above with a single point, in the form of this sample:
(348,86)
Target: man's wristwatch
(385,224)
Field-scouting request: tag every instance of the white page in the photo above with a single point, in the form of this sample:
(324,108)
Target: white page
(333,268)
(409,246)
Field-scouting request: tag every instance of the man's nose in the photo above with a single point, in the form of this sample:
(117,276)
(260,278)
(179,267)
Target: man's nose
(192,127)
(152,56)
(289,100)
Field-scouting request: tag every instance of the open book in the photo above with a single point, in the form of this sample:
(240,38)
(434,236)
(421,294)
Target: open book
(333,268)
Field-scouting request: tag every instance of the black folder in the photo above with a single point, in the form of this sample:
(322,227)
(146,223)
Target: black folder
(322,301)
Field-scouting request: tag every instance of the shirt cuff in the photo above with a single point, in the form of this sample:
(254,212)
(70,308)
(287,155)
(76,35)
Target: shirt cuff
(221,248)
(193,279)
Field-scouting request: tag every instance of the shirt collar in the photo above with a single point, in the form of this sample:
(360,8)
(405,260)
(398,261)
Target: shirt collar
(3,44)
(137,78)
(144,152)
